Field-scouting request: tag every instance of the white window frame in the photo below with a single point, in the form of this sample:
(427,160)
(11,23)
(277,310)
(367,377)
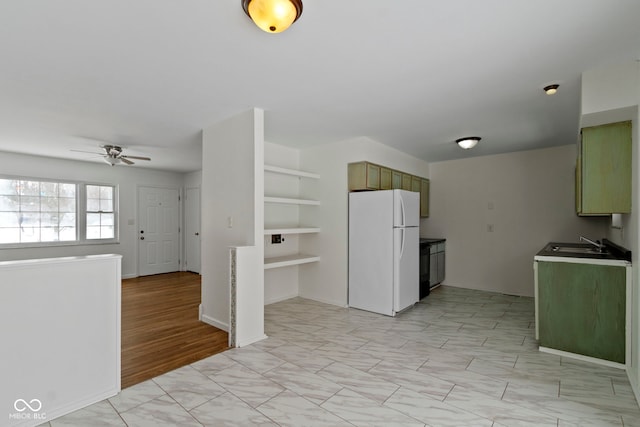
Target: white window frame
(81,215)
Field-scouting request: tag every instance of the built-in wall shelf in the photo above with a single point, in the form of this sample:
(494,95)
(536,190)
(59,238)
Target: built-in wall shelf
(291,230)
(291,201)
(294,172)
(289,260)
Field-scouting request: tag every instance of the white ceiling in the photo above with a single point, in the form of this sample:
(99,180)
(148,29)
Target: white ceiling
(412,74)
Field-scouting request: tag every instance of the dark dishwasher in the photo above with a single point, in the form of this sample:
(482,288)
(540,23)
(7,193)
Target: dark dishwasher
(432,261)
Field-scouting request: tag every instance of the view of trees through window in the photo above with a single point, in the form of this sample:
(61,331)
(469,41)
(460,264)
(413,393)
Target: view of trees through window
(41,211)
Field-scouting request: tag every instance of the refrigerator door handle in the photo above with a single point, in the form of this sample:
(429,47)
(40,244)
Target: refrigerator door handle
(402,242)
(402,210)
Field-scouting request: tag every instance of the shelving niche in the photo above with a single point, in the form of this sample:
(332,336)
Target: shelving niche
(272,226)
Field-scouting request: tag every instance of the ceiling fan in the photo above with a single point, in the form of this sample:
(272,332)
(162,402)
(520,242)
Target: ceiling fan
(113,155)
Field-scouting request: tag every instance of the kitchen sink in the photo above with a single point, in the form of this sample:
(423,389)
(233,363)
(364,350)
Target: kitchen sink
(578,249)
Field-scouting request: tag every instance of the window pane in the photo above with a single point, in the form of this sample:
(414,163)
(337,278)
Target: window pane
(49,204)
(106,205)
(106,193)
(106,219)
(68,220)
(9,203)
(9,187)
(9,219)
(93,219)
(48,234)
(93,232)
(48,220)
(68,233)
(9,235)
(93,205)
(67,190)
(93,191)
(29,220)
(30,188)
(49,189)
(106,232)
(29,234)
(30,204)
(67,205)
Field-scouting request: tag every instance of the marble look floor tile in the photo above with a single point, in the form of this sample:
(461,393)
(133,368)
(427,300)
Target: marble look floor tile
(100,414)
(360,411)
(290,410)
(304,383)
(160,412)
(254,358)
(213,364)
(539,399)
(367,385)
(478,382)
(348,357)
(401,356)
(136,395)
(433,412)
(301,357)
(246,384)
(229,411)
(188,387)
(411,379)
(496,409)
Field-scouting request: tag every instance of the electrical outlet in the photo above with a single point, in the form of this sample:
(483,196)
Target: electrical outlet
(276,238)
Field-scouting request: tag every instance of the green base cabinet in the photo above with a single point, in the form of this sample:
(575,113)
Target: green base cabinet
(581,309)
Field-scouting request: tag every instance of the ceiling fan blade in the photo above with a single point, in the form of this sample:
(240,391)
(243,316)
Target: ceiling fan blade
(90,152)
(135,157)
(126,161)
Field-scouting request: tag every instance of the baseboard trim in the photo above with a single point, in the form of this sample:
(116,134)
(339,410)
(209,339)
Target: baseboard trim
(279,299)
(214,322)
(129,276)
(339,304)
(53,413)
(251,341)
(583,358)
(633,380)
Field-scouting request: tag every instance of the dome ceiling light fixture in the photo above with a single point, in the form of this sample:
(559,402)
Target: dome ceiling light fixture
(273,16)
(551,89)
(468,142)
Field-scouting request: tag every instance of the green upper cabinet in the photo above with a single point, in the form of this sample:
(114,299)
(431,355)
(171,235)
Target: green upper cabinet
(424,198)
(603,172)
(370,176)
(385,178)
(364,176)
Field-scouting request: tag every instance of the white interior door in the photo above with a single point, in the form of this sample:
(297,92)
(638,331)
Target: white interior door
(158,230)
(192,230)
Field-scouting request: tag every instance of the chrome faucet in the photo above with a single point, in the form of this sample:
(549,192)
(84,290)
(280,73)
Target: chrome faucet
(596,243)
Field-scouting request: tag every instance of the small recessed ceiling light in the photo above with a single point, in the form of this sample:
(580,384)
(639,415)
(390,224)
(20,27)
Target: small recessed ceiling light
(468,142)
(551,89)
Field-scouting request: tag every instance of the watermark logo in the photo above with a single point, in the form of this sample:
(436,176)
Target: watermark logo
(27,410)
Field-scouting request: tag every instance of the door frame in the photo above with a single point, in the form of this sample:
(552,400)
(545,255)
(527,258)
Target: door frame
(199,227)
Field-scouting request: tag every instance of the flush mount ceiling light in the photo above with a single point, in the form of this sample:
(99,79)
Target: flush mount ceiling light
(273,16)
(551,89)
(468,142)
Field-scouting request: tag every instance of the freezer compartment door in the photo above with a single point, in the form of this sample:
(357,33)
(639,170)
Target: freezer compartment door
(406,208)
(406,274)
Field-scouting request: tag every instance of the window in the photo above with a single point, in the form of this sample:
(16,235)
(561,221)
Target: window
(34,212)
(100,213)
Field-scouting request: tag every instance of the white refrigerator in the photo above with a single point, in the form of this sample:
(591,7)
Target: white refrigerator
(384,265)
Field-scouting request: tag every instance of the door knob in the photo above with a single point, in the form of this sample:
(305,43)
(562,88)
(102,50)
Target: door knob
(197,234)
(141,231)
(142,238)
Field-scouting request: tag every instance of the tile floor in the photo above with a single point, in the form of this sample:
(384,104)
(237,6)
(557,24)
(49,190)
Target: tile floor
(459,358)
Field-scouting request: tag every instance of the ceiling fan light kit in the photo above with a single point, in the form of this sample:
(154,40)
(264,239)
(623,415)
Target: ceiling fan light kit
(551,89)
(113,155)
(273,16)
(468,142)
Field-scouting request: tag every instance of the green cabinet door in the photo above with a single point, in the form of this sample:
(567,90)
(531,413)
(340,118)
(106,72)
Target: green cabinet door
(582,309)
(424,198)
(385,178)
(605,170)
(396,180)
(363,176)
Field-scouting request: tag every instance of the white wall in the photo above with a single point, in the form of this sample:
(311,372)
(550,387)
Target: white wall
(326,280)
(232,207)
(609,95)
(128,179)
(528,198)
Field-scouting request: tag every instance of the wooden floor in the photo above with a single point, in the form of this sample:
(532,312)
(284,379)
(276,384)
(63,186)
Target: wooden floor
(160,326)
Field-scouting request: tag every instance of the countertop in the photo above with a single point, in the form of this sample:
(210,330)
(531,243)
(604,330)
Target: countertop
(614,255)
(432,240)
